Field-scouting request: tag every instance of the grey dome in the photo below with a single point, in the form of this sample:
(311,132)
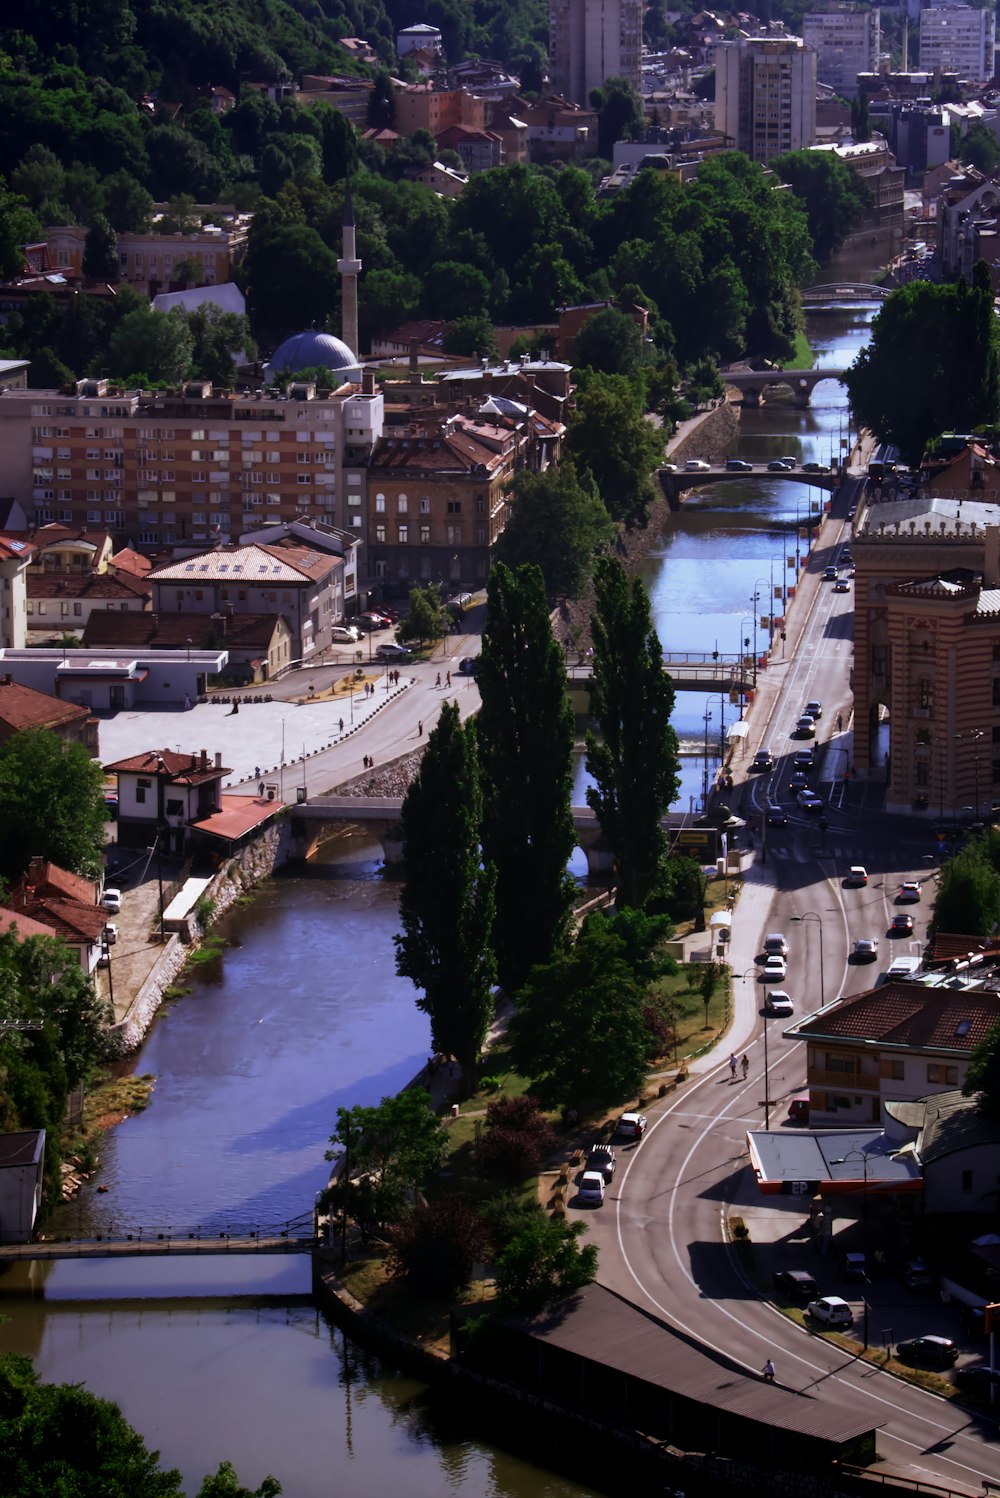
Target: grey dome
(313,350)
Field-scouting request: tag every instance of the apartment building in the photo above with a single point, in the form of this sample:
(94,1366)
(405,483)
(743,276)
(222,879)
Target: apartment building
(874,163)
(591,41)
(424,106)
(148,261)
(15,559)
(187,468)
(958,39)
(846,40)
(765,95)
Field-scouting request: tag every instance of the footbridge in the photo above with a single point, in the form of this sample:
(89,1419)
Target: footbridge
(752,383)
(296,1237)
(846,291)
(674,483)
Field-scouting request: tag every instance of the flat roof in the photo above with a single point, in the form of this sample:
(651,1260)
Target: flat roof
(833,1161)
(186,899)
(237,816)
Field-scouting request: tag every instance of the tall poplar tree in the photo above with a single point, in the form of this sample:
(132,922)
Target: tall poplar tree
(633,758)
(525,730)
(446,905)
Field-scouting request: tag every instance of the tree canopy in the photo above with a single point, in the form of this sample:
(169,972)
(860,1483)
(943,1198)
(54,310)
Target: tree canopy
(559,522)
(610,440)
(834,195)
(52,794)
(968,891)
(983,1077)
(388,1151)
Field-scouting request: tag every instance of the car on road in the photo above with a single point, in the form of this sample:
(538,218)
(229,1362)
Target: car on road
(909,892)
(831,1310)
(866,949)
(805,759)
(796,1284)
(799,780)
(762,760)
(777,816)
(775,968)
(842,585)
(846,557)
(916,1275)
(468,665)
(390,652)
(852,512)
(798,1110)
(775,945)
(779,1002)
(602,1158)
(631,1125)
(112,901)
(857,876)
(901,925)
(830,574)
(814,708)
(697,465)
(815,467)
(779,465)
(935,1352)
(670,468)
(738,465)
(591,1188)
(978,1378)
(345,634)
(854,1266)
(809,801)
(805,728)
(110,934)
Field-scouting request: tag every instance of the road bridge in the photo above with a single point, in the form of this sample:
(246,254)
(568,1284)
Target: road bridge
(674,483)
(846,291)
(752,383)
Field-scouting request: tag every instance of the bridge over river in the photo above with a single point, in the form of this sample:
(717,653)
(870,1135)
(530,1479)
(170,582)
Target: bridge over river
(752,383)
(296,1237)
(674,482)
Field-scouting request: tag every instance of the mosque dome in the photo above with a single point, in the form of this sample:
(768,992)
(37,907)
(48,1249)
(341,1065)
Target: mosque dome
(313,350)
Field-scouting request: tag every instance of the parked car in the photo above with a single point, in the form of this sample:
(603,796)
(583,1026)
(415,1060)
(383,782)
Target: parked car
(591,1188)
(110,934)
(852,512)
(697,465)
(909,892)
(978,1378)
(775,944)
(779,1002)
(112,900)
(936,1352)
(631,1125)
(796,1284)
(774,968)
(916,1275)
(468,665)
(762,760)
(809,801)
(805,728)
(390,652)
(901,925)
(602,1158)
(345,634)
(369,622)
(814,708)
(831,1310)
(738,465)
(857,876)
(855,1267)
(866,949)
(798,1110)
(777,816)
(830,574)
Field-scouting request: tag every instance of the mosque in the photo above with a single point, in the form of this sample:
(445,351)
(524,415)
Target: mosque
(315,350)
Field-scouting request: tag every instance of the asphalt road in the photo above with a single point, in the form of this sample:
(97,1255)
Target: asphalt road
(661,1231)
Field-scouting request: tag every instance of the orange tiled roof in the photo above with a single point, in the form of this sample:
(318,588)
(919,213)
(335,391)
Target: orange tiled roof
(184,769)
(22,707)
(909,1014)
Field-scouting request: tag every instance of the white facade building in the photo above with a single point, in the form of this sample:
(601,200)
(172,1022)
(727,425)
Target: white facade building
(846,40)
(591,41)
(958,39)
(765,95)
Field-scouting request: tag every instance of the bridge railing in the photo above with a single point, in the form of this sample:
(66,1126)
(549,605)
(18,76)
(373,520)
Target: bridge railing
(295,1230)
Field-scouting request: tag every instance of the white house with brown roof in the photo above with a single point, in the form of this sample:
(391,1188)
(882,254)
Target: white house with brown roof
(895,1043)
(61,603)
(165,790)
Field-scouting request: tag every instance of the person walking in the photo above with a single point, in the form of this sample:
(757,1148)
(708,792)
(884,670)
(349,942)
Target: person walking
(745,1064)
(438,682)
(341,725)
(768,1372)
(840,722)
(733,1063)
(420,729)
(447,678)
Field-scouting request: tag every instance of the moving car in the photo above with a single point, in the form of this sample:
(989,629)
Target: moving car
(798,1110)
(936,1352)
(602,1158)
(866,949)
(799,780)
(832,1310)
(809,801)
(779,1002)
(775,944)
(345,634)
(909,891)
(815,467)
(762,760)
(774,968)
(591,1188)
(805,759)
(814,708)
(779,465)
(632,1125)
(855,1267)
(857,876)
(112,901)
(901,925)
(842,585)
(830,574)
(390,652)
(697,465)
(796,1284)
(916,1275)
(777,816)
(805,728)
(468,665)
(852,512)
(738,465)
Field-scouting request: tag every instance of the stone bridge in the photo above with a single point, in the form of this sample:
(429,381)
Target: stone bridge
(674,484)
(752,383)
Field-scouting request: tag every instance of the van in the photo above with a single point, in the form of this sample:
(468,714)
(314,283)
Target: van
(903,967)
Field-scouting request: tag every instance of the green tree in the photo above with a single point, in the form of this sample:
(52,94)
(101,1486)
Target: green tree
(292,280)
(388,1151)
(930,366)
(387,299)
(471,337)
(968,892)
(426,618)
(158,345)
(216,337)
(620,115)
(453,290)
(578,1029)
(633,755)
(978,147)
(558,522)
(610,341)
(438,1245)
(127,204)
(525,732)
(100,252)
(18,226)
(983,1076)
(835,197)
(516,1139)
(610,439)
(446,902)
(382,102)
(543,1262)
(52,795)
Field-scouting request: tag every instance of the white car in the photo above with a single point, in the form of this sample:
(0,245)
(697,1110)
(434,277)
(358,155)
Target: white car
(831,1309)
(112,900)
(697,465)
(909,890)
(591,1188)
(775,967)
(779,1002)
(631,1125)
(110,934)
(344,634)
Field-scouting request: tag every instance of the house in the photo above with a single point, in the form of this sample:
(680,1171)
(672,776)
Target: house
(62,604)
(259,645)
(22,1165)
(958,1148)
(64,904)
(166,791)
(894,1043)
(444,180)
(23,708)
(479,149)
(15,559)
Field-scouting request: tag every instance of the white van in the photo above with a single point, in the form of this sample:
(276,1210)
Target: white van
(903,967)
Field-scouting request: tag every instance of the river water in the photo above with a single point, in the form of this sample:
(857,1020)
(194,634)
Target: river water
(303,1013)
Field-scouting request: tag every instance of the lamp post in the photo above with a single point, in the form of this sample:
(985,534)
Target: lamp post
(767,1090)
(842,1160)
(754,599)
(975,735)
(762,582)
(706,719)
(745,624)
(812,915)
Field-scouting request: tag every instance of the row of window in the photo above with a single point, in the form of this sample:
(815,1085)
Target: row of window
(453,535)
(453,506)
(893,1068)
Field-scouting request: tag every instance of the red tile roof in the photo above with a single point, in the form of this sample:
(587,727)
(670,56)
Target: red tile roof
(184,769)
(25,925)
(237,816)
(909,1014)
(46,878)
(70,919)
(453,452)
(112,629)
(128,560)
(85,585)
(23,707)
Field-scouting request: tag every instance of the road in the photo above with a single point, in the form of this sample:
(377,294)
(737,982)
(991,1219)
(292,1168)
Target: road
(661,1233)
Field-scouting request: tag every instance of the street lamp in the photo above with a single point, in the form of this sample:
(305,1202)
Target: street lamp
(706,719)
(767,1090)
(842,1160)
(975,735)
(812,915)
(762,582)
(745,623)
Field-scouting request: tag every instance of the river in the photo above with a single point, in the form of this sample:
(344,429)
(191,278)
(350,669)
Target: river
(303,1013)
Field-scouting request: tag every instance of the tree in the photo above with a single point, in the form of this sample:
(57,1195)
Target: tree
(835,197)
(453,290)
(388,1152)
(381,113)
(18,226)
(578,1029)
(543,1262)
(52,795)
(610,341)
(158,345)
(968,893)
(620,114)
(292,280)
(438,1245)
(446,903)
(100,252)
(525,734)
(558,522)
(517,1138)
(471,337)
(426,618)
(930,366)
(983,1076)
(978,147)
(610,439)
(633,756)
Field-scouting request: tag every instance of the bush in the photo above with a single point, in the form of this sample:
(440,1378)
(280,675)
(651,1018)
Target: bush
(506,1215)
(516,1139)
(437,1245)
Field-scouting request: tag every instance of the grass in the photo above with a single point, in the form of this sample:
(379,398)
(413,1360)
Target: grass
(424,1318)
(211,948)
(802,355)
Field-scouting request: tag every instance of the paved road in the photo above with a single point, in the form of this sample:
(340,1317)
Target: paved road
(661,1233)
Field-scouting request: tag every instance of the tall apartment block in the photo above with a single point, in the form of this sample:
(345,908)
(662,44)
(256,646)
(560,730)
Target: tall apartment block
(765,95)
(590,41)
(193,467)
(846,40)
(958,39)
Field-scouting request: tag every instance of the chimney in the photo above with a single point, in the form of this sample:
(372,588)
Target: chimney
(368,382)
(204,760)
(218,759)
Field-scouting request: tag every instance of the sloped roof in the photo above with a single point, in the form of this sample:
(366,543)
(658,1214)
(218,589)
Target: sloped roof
(451,452)
(908,1014)
(111,629)
(284,566)
(130,560)
(952,1122)
(46,878)
(24,925)
(71,919)
(22,707)
(85,586)
(181,769)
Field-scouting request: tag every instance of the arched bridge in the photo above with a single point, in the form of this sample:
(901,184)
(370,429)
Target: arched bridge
(752,383)
(674,483)
(846,291)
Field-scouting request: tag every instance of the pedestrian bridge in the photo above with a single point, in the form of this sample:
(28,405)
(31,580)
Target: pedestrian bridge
(674,484)
(297,1237)
(846,291)
(693,671)
(752,383)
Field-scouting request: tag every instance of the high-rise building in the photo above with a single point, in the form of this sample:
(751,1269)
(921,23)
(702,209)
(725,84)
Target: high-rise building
(765,95)
(590,41)
(846,39)
(958,39)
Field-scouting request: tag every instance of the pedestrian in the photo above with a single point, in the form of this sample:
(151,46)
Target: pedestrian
(438,682)
(233,710)
(420,729)
(448,679)
(733,1063)
(341,725)
(365,761)
(260,790)
(745,1063)
(768,1372)
(840,722)
(187,701)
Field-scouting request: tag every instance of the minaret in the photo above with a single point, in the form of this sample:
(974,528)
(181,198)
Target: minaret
(349,267)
